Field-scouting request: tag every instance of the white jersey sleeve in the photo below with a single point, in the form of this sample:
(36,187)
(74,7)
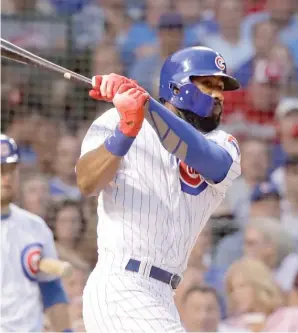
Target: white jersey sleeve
(230,144)
(99,130)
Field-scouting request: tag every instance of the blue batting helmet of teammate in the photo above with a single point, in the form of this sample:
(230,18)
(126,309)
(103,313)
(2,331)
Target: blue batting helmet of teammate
(177,72)
(9,150)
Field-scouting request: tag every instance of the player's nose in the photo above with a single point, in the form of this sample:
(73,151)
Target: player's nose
(218,94)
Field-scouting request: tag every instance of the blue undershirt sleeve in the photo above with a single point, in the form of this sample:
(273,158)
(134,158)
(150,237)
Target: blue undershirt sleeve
(188,144)
(52,292)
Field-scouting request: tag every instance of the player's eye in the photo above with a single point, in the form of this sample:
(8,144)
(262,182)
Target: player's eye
(208,84)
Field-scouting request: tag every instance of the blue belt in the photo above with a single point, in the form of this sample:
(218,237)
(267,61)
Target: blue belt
(155,273)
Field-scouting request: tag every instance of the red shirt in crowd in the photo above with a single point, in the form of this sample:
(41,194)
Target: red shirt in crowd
(243,119)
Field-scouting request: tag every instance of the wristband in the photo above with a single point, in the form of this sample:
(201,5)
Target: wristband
(118,143)
(68,330)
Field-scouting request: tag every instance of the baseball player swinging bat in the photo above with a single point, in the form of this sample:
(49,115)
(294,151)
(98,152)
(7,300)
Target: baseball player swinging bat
(172,167)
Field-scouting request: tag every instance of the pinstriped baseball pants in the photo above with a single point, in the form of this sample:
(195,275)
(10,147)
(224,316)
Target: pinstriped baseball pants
(115,300)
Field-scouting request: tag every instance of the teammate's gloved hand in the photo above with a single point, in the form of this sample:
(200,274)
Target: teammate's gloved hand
(129,102)
(106,86)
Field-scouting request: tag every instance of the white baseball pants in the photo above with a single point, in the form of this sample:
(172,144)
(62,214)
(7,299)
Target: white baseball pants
(117,300)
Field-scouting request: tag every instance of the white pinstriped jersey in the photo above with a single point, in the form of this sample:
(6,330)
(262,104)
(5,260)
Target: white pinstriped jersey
(156,206)
(24,237)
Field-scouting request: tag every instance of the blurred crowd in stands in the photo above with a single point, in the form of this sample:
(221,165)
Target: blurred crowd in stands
(243,272)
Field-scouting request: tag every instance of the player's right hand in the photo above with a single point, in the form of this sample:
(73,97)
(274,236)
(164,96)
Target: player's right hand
(105,87)
(129,102)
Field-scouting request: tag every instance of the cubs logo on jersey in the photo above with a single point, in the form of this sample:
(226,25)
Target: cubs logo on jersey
(234,142)
(191,181)
(30,257)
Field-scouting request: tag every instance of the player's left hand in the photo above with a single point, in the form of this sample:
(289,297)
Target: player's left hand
(105,87)
(129,102)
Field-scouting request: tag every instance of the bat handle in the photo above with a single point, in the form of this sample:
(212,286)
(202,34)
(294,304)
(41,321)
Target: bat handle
(78,78)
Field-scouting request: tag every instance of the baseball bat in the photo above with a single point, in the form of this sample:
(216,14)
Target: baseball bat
(55,267)
(15,53)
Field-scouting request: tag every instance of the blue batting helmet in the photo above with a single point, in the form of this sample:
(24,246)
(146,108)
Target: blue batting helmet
(177,72)
(9,150)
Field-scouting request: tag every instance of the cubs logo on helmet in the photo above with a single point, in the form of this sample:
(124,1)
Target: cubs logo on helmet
(30,257)
(220,63)
(191,181)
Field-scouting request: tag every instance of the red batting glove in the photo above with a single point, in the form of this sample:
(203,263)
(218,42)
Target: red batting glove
(129,102)
(105,87)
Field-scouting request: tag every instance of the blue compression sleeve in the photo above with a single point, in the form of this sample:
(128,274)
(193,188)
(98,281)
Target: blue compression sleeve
(52,293)
(205,156)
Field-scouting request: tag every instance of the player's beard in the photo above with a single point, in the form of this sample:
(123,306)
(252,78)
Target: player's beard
(203,124)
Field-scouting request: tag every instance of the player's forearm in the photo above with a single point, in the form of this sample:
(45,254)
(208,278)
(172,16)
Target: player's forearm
(189,145)
(96,169)
(59,317)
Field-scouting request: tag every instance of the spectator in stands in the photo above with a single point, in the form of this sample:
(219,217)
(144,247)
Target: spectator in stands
(255,165)
(293,295)
(63,184)
(267,240)
(170,33)
(193,276)
(287,121)
(106,59)
(21,129)
(198,21)
(76,314)
(253,6)
(201,252)
(288,274)
(46,35)
(142,37)
(265,201)
(201,258)
(251,112)
(290,203)
(280,54)
(35,195)
(74,285)
(201,310)
(264,37)
(47,136)
(282,14)
(223,221)
(68,223)
(230,248)
(255,301)
(229,41)
(82,130)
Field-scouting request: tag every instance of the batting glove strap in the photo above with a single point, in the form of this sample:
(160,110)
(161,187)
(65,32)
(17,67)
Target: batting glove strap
(118,143)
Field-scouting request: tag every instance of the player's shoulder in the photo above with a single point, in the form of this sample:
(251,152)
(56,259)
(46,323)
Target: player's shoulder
(218,135)
(30,219)
(224,139)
